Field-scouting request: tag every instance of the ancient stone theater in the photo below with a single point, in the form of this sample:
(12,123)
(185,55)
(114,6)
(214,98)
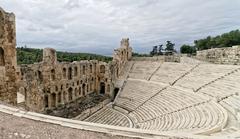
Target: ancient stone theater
(165,97)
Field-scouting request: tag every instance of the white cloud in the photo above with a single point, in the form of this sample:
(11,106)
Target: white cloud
(97,26)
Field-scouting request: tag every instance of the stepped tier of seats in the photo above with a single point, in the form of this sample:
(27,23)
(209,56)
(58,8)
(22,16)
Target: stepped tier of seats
(143,69)
(170,72)
(203,118)
(167,101)
(175,109)
(109,116)
(232,104)
(205,74)
(137,92)
(129,65)
(177,97)
(224,87)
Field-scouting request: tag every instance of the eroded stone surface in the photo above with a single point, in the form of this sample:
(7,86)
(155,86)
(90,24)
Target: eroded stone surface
(8,64)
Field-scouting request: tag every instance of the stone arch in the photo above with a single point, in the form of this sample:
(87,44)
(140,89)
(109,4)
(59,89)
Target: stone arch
(53,74)
(2,60)
(70,94)
(40,76)
(91,86)
(87,88)
(75,71)
(102,69)
(64,73)
(70,73)
(91,69)
(59,97)
(64,96)
(102,88)
(83,89)
(80,91)
(53,99)
(46,101)
(84,69)
(76,93)
(108,88)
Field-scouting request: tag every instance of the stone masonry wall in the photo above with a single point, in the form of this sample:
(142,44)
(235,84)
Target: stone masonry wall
(228,55)
(8,64)
(49,84)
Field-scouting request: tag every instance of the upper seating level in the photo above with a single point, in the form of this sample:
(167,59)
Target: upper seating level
(143,69)
(204,74)
(170,72)
(224,87)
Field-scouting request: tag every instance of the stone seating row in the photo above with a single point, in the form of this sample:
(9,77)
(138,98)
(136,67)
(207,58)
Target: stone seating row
(204,75)
(143,70)
(169,72)
(109,116)
(137,92)
(203,118)
(169,100)
(224,87)
(232,103)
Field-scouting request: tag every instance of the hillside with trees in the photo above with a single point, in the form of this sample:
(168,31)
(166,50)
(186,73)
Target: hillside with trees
(30,55)
(225,40)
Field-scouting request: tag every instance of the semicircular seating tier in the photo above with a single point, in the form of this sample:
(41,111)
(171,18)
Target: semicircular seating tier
(177,97)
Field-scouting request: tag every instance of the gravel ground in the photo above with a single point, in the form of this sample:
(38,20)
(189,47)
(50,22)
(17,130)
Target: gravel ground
(12,127)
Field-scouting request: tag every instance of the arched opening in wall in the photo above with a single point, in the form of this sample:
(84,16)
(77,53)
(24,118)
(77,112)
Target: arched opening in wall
(83,89)
(53,74)
(75,71)
(40,76)
(64,97)
(84,68)
(64,73)
(53,100)
(117,72)
(70,92)
(116,90)
(102,88)
(87,88)
(59,97)
(108,88)
(80,91)
(91,86)
(76,93)
(70,73)
(46,101)
(102,69)
(91,69)
(2,61)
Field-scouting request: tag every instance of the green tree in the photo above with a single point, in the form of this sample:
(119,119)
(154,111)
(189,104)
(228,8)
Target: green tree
(187,49)
(170,46)
(225,40)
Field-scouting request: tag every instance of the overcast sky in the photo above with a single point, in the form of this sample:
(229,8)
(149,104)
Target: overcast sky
(97,26)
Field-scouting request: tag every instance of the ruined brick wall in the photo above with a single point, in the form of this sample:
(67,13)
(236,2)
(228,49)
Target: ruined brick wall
(8,64)
(228,55)
(121,56)
(49,84)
